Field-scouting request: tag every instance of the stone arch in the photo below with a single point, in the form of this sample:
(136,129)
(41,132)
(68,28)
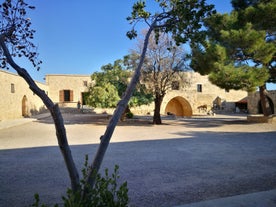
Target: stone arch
(25,112)
(179,106)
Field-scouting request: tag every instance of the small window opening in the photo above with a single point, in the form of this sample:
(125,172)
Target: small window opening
(199,87)
(12,88)
(66,95)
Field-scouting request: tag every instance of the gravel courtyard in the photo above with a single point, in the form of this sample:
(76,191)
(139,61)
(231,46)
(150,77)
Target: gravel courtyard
(182,161)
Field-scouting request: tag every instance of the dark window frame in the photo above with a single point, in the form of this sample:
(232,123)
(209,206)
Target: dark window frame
(66,95)
(199,88)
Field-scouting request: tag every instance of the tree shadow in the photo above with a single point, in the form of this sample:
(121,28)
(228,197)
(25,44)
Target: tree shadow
(165,172)
(96,119)
(146,121)
(212,122)
(206,121)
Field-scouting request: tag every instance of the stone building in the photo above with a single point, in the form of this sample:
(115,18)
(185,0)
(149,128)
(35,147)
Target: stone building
(198,97)
(67,90)
(16,99)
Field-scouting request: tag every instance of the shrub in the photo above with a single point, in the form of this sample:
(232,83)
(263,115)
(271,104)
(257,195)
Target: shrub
(105,193)
(129,115)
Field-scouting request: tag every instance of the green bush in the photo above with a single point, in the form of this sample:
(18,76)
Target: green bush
(129,115)
(105,193)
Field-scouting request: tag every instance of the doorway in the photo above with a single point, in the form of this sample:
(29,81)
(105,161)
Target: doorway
(25,112)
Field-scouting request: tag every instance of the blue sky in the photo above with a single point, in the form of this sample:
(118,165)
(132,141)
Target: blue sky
(80,36)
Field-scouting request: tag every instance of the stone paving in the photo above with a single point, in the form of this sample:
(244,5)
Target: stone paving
(180,162)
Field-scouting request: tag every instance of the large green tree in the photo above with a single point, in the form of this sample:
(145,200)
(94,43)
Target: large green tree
(240,51)
(110,84)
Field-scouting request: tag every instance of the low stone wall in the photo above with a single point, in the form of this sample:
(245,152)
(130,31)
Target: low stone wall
(260,118)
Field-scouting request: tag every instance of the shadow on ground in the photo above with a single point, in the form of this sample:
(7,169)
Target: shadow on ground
(97,119)
(159,172)
(145,121)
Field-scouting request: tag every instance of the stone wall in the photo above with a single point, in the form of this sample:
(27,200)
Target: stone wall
(17,99)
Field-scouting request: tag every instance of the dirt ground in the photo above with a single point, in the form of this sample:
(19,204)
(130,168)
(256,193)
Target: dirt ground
(185,160)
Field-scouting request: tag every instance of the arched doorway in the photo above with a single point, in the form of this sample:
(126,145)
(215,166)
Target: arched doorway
(179,106)
(25,106)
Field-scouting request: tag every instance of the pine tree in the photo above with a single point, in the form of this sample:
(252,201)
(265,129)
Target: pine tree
(240,51)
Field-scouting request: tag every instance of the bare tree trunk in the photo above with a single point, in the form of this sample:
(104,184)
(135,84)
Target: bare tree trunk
(55,112)
(122,104)
(264,102)
(157,107)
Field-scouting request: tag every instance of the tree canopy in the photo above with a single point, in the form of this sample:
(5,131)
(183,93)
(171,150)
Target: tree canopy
(183,19)
(111,83)
(240,51)
(16,26)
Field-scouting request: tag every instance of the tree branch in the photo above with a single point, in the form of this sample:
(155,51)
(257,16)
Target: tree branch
(105,139)
(55,112)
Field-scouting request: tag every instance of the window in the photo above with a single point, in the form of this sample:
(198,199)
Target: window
(199,87)
(65,95)
(175,85)
(85,83)
(12,88)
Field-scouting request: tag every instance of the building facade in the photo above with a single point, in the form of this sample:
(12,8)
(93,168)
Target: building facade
(198,97)
(68,90)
